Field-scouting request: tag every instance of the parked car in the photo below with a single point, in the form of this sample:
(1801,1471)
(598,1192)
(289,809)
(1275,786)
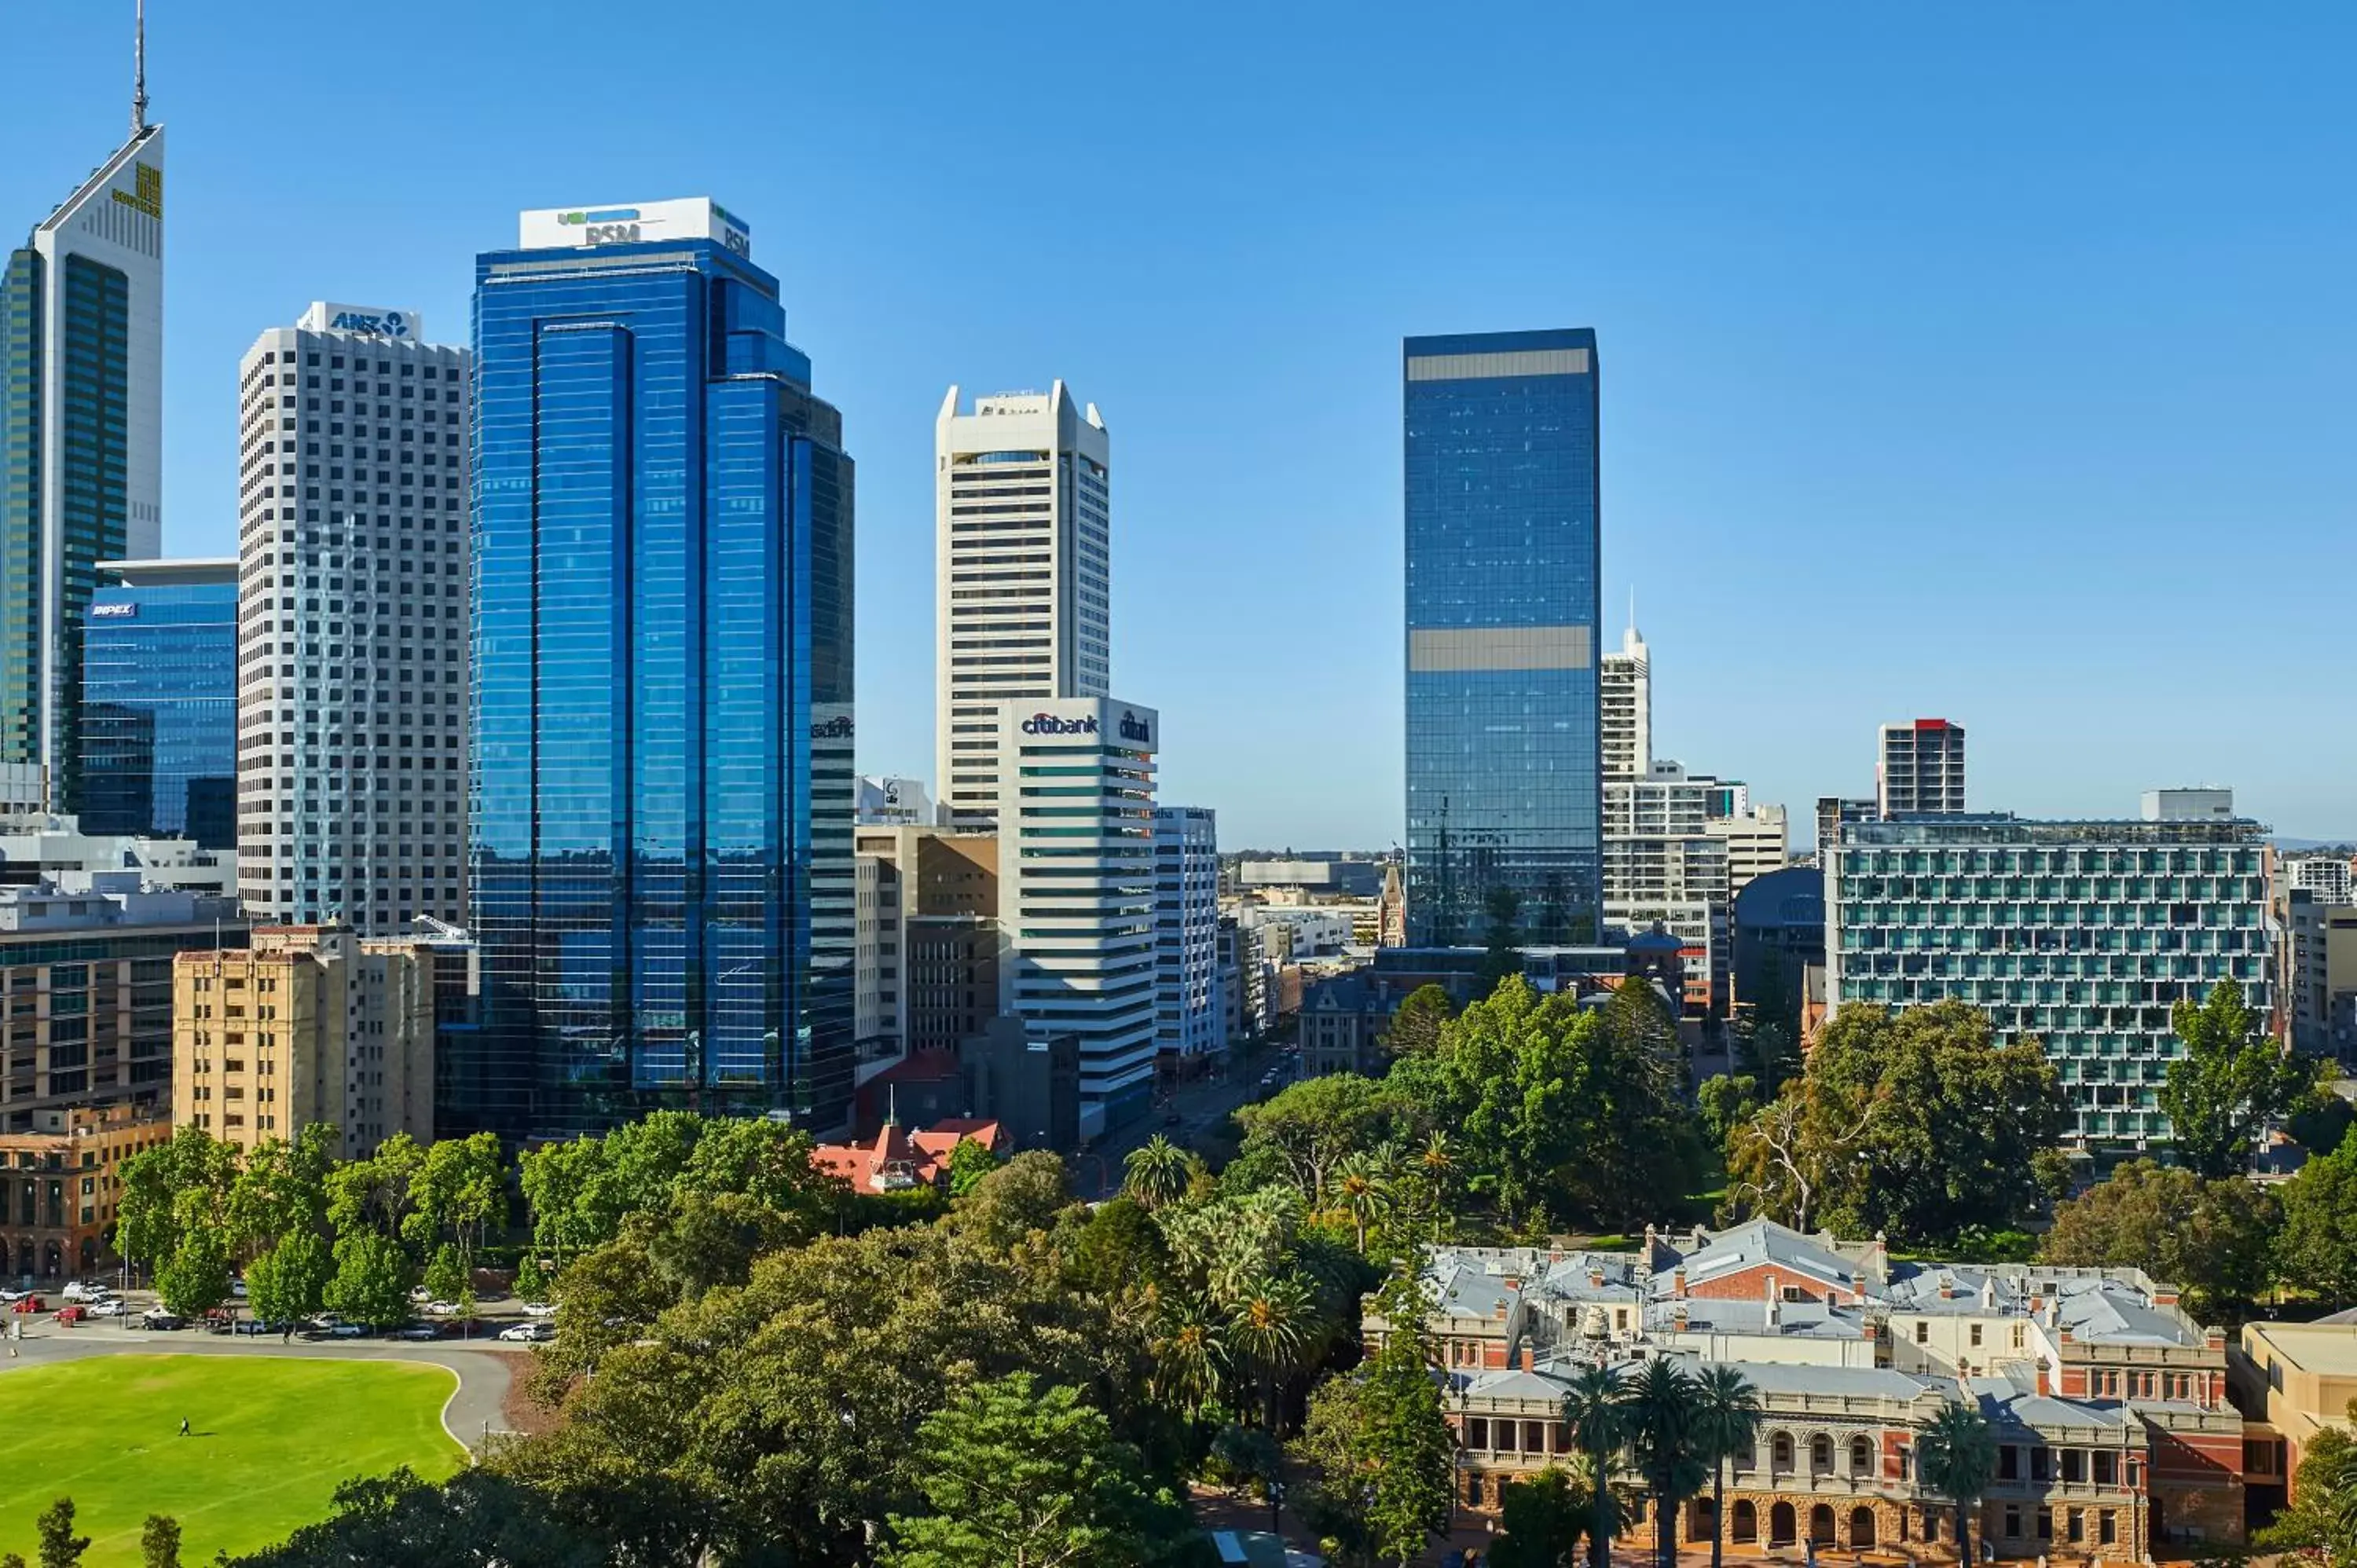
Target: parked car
(443,1308)
(29,1305)
(70,1315)
(237,1289)
(158,1319)
(347,1331)
(11,1297)
(418,1331)
(86,1290)
(112,1306)
(256,1325)
(529,1334)
(419,1293)
(540,1309)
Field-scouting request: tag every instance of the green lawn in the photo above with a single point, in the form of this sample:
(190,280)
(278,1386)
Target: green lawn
(271,1438)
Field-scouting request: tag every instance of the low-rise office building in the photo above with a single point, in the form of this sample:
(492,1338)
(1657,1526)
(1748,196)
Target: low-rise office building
(86,961)
(59,1181)
(926,938)
(307,1024)
(2293,1382)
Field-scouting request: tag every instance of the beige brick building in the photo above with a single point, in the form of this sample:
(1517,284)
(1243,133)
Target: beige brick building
(310,1024)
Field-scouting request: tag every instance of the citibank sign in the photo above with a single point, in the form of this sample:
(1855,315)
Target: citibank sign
(1048,723)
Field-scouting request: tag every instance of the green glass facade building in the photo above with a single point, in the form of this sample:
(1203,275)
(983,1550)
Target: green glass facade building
(2081,935)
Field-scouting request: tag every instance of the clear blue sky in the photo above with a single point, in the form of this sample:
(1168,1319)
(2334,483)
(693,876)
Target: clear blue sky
(1992,362)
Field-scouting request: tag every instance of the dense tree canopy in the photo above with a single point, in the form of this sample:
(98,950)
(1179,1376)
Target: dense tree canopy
(2215,1239)
(1915,1123)
(2233,1082)
(2316,1249)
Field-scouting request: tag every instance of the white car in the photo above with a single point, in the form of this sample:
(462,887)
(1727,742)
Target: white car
(443,1308)
(528,1334)
(86,1290)
(540,1309)
(420,1294)
(112,1306)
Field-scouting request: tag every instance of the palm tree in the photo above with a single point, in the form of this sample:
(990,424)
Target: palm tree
(1156,1171)
(1956,1458)
(1270,1324)
(1726,1418)
(1660,1401)
(1190,1353)
(1599,1424)
(1363,1192)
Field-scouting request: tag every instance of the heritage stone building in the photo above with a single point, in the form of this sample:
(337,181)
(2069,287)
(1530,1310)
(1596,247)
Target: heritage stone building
(2116,1439)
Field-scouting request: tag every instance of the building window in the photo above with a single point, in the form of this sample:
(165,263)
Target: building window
(1922,1331)
(2045,1524)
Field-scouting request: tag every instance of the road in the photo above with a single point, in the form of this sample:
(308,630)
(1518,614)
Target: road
(1199,1107)
(473,1413)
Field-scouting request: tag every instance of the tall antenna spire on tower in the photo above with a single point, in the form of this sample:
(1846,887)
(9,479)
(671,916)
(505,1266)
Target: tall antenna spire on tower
(139,70)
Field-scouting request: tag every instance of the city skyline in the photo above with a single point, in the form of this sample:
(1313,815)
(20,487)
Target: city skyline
(1839,449)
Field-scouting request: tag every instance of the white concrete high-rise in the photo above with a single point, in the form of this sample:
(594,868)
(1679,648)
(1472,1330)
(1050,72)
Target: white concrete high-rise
(1624,696)
(1186,1008)
(1076,895)
(81,417)
(1758,841)
(1921,769)
(1023,569)
(353,623)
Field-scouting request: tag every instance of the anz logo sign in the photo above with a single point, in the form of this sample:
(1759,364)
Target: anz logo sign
(389,323)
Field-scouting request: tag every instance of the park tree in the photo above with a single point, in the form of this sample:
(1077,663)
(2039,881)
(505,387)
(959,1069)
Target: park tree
(480,1518)
(195,1278)
(281,1188)
(2231,1084)
(1416,1025)
(290,1280)
(1914,1123)
(377,1192)
(1154,1173)
(371,1285)
(1015,1476)
(446,1277)
(1725,1103)
(531,1284)
(1020,1197)
(1377,1451)
(159,1541)
(1541,1519)
(970,1161)
(706,1240)
(1302,1134)
(2215,1239)
(458,1194)
(59,1547)
(171,1189)
(1956,1459)
(2317,1249)
(1599,1419)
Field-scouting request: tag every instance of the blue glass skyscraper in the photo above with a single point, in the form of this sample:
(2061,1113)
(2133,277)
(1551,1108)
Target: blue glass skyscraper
(662,519)
(1503,604)
(159,702)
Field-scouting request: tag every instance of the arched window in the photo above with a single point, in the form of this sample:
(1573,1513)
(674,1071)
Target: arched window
(1745,1521)
(1821,1453)
(1781,1449)
(1821,1524)
(1861,1457)
(1861,1528)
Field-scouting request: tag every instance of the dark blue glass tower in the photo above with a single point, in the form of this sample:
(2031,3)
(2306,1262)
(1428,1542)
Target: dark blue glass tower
(663,617)
(1503,603)
(159,702)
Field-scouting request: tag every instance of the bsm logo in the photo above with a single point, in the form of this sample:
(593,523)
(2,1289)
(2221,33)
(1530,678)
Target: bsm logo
(1048,723)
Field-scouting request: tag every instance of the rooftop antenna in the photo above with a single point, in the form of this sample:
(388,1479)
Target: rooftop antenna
(139,70)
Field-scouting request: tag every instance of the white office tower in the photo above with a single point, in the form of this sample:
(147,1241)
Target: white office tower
(1076,901)
(2325,876)
(1023,568)
(81,416)
(1624,695)
(1186,933)
(1758,841)
(1921,769)
(352,622)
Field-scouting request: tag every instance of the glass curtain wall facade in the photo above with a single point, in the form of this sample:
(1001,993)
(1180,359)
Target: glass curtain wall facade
(2081,936)
(662,547)
(1503,604)
(160,703)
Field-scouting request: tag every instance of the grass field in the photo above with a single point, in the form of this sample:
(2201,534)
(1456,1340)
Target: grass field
(271,1438)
